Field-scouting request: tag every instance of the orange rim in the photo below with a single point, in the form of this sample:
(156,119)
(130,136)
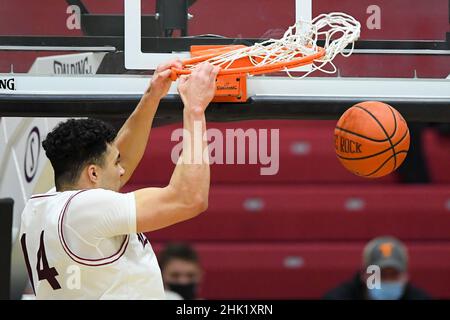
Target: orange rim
(297,62)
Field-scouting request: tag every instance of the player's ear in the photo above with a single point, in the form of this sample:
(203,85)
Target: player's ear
(93,174)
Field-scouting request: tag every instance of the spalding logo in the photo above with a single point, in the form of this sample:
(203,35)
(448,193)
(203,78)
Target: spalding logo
(79,67)
(7,84)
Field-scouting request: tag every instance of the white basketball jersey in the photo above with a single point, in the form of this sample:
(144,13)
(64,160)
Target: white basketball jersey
(83,245)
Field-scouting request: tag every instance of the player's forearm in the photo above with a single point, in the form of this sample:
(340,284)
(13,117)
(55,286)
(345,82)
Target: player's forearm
(191,177)
(133,136)
(186,196)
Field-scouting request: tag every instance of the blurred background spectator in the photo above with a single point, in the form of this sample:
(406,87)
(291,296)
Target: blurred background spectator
(391,256)
(181,271)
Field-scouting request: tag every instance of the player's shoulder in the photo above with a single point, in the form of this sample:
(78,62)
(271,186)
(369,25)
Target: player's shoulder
(44,196)
(81,199)
(97,202)
(98,196)
(39,200)
(99,192)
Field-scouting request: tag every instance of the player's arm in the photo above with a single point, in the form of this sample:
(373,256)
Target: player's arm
(133,136)
(186,196)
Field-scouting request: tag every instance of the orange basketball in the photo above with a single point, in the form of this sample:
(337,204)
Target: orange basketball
(371,139)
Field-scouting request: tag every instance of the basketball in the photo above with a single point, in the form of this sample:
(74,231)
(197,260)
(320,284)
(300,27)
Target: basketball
(371,139)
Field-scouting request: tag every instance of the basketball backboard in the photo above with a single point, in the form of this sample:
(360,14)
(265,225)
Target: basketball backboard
(74,50)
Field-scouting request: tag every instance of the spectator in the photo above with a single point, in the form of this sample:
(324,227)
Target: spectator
(181,271)
(392,258)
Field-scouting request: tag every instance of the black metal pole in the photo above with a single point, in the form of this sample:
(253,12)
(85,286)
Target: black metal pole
(6,218)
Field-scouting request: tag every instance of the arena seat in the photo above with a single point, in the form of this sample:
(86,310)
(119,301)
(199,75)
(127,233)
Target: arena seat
(306,213)
(437,152)
(304,270)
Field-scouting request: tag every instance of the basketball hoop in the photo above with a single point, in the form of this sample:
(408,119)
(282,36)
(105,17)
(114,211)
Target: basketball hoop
(298,47)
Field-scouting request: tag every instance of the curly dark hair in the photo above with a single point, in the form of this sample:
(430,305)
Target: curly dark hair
(74,144)
(181,251)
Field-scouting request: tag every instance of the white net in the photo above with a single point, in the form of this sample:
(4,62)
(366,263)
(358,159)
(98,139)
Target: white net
(337,29)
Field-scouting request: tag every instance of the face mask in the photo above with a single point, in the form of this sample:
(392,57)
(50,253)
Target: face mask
(392,290)
(187,291)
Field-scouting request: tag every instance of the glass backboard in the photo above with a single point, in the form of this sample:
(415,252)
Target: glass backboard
(82,45)
(398,38)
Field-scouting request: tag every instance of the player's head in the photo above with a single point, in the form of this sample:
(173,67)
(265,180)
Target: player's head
(83,155)
(391,256)
(180,268)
